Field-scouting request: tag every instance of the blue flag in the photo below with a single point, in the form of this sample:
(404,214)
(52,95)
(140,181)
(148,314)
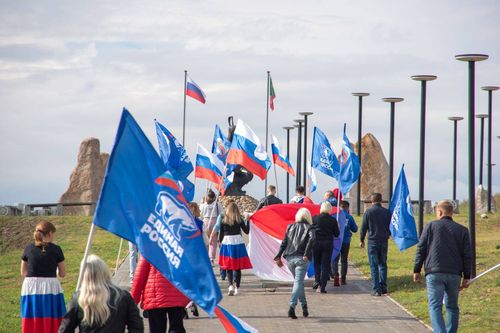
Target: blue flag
(173,153)
(154,215)
(220,145)
(349,166)
(323,156)
(403,228)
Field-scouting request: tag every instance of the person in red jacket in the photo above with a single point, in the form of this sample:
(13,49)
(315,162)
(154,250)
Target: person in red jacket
(159,297)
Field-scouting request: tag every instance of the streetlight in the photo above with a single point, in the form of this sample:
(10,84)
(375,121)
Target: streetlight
(423,79)
(490,90)
(288,128)
(481,116)
(299,149)
(471,59)
(455,121)
(360,120)
(305,114)
(393,101)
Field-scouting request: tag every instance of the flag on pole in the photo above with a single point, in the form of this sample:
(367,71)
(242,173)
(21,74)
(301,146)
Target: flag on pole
(220,145)
(153,214)
(311,178)
(403,228)
(193,90)
(280,159)
(323,156)
(349,166)
(208,166)
(247,151)
(231,323)
(272,94)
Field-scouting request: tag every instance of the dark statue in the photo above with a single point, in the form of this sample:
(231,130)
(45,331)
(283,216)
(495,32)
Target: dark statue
(241,175)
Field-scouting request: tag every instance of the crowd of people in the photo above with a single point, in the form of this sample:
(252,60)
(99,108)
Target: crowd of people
(100,306)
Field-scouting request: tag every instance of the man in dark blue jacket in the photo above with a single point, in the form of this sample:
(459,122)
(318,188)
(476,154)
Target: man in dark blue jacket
(376,222)
(445,251)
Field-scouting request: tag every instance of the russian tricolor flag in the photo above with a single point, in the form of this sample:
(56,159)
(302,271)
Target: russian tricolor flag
(193,90)
(208,166)
(280,159)
(231,323)
(247,151)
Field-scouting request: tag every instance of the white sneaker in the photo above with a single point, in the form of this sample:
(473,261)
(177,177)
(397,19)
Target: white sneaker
(235,291)
(230,290)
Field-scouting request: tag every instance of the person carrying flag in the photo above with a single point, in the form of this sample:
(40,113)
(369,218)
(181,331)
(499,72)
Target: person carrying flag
(270,199)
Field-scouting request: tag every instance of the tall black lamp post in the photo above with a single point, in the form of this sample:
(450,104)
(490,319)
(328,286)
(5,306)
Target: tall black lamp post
(299,150)
(360,96)
(288,128)
(490,90)
(305,114)
(423,80)
(455,131)
(481,116)
(471,59)
(393,101)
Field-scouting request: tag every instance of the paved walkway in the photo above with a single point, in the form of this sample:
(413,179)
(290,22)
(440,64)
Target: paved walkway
(348,308)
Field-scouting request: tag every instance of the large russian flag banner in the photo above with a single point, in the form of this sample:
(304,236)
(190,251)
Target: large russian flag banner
(193,90)
(247,151)
(208,166)
(231,323)
(279,159)
(268,230)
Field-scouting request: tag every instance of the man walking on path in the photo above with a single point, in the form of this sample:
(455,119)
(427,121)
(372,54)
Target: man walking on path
(376,222)
(270,199)
(445,251)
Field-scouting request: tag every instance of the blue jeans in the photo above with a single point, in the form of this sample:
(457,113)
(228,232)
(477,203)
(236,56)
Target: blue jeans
(133,259)
(298,267)
(439,286)
(377,256)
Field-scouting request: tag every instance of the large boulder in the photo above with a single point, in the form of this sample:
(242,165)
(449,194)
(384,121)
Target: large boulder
(374,172)
(482,201)
(245,203)
(86,179)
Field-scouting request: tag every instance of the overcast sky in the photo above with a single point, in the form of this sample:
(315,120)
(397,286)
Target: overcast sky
(67,69)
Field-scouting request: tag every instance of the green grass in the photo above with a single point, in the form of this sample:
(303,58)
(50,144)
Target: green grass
(479,304)
(71,235)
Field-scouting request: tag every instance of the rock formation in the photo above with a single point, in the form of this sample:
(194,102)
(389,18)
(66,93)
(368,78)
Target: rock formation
(374,171)
(482,201)
(86,178)
(245,203)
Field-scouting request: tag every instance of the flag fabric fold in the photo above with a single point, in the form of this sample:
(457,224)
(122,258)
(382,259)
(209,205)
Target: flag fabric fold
(403,228)
(153,214)
(231,323)
(349,166)
(279,158)
(194,91)
(323,156)
(220,145)
(311,178)
(208,166)
(247,151)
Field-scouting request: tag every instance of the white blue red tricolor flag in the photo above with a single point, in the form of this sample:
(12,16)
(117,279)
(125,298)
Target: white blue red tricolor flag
(193,90)
(247,151)
(231,323)
(279,158)
(208,166)
(312,183)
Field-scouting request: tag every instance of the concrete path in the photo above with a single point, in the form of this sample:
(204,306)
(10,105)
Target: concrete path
(348,308)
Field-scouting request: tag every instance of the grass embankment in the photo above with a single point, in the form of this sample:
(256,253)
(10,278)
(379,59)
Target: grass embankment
(479,304)
(71,235)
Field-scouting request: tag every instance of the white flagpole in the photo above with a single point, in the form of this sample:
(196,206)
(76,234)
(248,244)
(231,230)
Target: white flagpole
(484,273)
(276,180)
(118,256)
(85,255)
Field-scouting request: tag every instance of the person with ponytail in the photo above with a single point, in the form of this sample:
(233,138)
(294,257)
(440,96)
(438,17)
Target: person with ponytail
(42,299)
(99,305)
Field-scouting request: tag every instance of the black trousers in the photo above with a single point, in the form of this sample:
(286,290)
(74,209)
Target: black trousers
(234,276)
(344,253)
(158,320)
(322,255)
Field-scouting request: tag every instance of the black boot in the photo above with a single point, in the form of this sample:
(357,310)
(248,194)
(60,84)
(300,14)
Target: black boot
(291,313)
(305,311)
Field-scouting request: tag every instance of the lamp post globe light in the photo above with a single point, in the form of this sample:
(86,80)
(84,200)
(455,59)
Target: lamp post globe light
(288,129)
(490,90)
(360,96)
(305,114)
(392,101)
(455,131)
(471,59)
(299,150)
(481,116)
(423,80)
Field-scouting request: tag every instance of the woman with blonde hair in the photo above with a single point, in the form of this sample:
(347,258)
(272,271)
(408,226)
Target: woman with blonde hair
(42,299)
(296,248)
(233,256)
(99,305)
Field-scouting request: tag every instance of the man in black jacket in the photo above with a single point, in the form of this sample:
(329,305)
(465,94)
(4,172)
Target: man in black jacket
(445,251)
(376,222)
(270,199)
